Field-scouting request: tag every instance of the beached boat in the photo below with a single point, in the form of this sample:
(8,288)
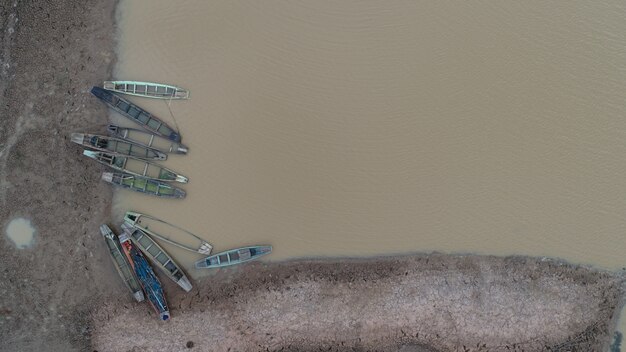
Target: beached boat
(148,280)
(233,256)
(143,185)
(117,146)
(136,166)
(147,89)
(146,139)
(123,266)
(136,114)
(137,220)
(158,256)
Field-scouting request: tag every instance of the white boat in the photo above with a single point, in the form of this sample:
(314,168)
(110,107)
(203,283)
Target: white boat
(136,220)
(147,89)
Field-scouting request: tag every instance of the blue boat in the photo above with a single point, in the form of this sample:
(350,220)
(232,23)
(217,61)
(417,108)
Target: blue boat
(233,257)
(148,280)
(136,114)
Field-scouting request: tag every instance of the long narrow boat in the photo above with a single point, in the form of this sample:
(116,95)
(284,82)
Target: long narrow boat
(147,89)
(136,167)
(146,139)
(157,255)
(148,280)
(121,263)
(135,220)
(143,185)
(117,146)
(136,114)
(233,256)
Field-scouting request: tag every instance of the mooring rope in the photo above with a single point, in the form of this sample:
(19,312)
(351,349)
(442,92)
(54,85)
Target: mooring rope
(172,114)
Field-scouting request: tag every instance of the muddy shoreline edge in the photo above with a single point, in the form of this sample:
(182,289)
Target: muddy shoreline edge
(56,295)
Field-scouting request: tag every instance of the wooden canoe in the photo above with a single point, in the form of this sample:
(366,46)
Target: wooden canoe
(158,256)
(122,265)
(143,185)
(148,280)
(136,166)
(117,146)
(147,89)
(136,114)
(146,139)
(141,221)
(233,256)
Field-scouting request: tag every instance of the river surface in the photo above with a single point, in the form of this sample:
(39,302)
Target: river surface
(358,128)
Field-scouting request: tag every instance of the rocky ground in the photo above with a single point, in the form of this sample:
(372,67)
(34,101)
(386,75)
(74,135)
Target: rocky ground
(62,294)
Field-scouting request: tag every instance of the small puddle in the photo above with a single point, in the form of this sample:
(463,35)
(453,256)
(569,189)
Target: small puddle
(21,232)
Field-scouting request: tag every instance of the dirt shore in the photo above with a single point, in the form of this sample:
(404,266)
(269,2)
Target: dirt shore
(51,54)
(62,294)
(445,303)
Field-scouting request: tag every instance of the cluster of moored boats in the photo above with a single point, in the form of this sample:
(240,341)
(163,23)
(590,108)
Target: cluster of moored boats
(137,241)
(133,153)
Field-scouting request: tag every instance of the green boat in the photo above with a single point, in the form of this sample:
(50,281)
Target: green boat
(147,89)
(117,146)
(143,185)
(147,139)
(233,257)
(124,268)
(136,166)
(158,256)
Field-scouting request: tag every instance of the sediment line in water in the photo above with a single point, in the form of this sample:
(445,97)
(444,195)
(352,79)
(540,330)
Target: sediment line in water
(417,303)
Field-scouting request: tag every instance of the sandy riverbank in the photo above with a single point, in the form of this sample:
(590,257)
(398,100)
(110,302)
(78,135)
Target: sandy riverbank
(62,294)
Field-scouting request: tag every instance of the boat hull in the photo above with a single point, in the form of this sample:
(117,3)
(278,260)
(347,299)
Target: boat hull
(147,89)
(158,256)
(121,263)
(233,257)
(134,219)
(148,280)
(145,139)
(117,146)
(143,185)
(140,167)
(136,114)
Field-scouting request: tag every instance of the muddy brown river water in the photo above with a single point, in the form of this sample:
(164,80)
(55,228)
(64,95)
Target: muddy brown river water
(365,128)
